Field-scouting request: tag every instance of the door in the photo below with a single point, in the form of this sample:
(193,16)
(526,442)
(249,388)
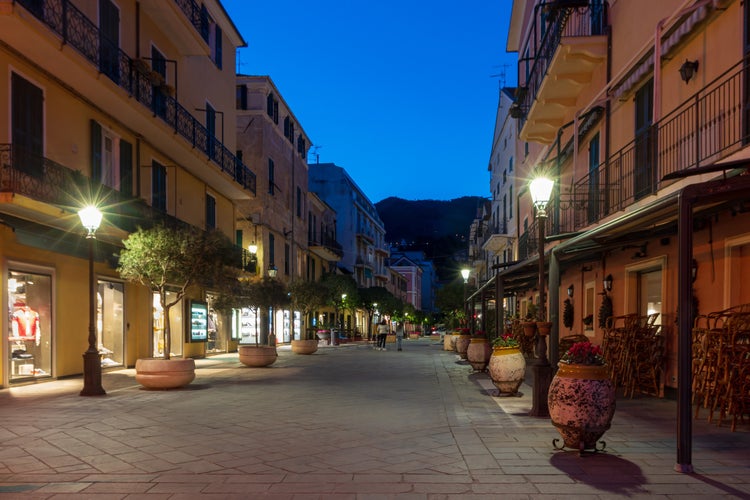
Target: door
(27,122)
(649,293)
(644,171)
(109,39)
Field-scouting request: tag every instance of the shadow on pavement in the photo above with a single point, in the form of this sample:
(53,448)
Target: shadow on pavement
(595,469)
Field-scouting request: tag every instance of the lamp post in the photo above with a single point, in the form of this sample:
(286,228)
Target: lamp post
(541,190)
(91,217)
(465,275)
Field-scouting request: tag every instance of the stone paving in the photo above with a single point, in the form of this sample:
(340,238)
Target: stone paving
(345,423)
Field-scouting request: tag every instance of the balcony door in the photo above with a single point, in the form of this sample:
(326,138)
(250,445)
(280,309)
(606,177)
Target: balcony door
(644,170)
(27,122)
(109,39)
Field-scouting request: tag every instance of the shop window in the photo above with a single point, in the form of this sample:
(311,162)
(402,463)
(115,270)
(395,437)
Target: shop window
(110,322)
(246,325)
(30,325)
(175,326)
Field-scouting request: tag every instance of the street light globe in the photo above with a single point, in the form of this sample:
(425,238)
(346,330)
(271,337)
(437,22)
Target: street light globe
(253,249)
(465,274)
(541,191)
(91,217)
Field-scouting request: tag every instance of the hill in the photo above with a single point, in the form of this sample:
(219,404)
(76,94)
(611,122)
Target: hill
(439,228)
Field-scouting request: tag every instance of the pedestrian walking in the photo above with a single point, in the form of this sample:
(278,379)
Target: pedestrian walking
(382,334)
(399,335)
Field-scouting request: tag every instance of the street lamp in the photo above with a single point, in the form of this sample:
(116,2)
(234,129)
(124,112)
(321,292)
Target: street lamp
(272,271)
(465,275)
(91,217)
(541,191)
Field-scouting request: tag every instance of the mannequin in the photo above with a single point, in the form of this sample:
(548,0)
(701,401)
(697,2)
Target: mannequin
(25,323)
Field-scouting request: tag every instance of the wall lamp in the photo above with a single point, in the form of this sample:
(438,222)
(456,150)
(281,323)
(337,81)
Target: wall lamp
(272,271)
(570,291)
(608,283)
(688,69)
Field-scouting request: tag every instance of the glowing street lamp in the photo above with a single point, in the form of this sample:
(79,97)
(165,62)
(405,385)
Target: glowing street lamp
(91,218)
(541,192)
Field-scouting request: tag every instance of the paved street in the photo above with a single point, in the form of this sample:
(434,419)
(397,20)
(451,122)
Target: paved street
(345,423)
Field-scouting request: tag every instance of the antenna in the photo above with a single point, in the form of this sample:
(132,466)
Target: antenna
(500,75)
(315,153)
(239,62)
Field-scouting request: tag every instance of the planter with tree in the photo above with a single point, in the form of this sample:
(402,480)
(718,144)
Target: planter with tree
(337,288)
(167,259)
(263,294)
(307,297)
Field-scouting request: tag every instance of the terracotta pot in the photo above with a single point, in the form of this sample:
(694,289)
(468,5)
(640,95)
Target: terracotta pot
(414,335)
(507,368)
(454,338)
(529,328)
(462,344)
(160,373)
(581,402)
(304,346)
(544,327)
(257,356)
(478,353)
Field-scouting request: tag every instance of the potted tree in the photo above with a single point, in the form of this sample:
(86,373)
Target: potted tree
(172,259)
(337,287)
(263,294)
(307,297)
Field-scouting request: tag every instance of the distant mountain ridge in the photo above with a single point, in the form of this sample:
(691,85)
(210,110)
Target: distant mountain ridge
(439,228)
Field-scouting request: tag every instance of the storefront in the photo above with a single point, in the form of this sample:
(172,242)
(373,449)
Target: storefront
(30,335)
(111,322)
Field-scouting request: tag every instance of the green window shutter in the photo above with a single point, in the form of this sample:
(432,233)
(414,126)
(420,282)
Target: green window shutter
(96,152)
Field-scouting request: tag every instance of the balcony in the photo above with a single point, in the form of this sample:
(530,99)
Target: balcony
(190,33)
(706,129)
(78,32)
(325,247)
(565,46)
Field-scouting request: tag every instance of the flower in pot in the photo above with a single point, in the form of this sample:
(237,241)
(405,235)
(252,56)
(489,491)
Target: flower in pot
(507,366)
(178,261)
(581,397)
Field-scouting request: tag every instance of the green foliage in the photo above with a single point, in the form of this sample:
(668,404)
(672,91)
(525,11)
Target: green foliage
(336,285)
(164,257)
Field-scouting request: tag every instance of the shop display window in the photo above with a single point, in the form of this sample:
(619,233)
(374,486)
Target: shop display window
(198,331)
(175,326)
(30,325)
(217,340)
(247,319)
(110,322)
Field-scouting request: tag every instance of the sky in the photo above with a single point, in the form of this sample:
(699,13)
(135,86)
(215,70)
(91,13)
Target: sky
(401,94)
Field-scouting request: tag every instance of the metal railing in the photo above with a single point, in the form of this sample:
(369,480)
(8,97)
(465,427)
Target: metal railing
(707,127)
(197,16)
(325,241)
(79,32)
(551,23)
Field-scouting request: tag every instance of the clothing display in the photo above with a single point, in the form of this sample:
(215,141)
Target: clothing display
(25,323)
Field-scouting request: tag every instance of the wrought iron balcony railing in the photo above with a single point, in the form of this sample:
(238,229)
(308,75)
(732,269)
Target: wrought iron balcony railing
(326,241)
(79,32)
(552,21)
(197,15)
(707,127)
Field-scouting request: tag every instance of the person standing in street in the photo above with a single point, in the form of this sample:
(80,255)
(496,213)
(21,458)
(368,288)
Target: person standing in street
(399,335)
(382,334)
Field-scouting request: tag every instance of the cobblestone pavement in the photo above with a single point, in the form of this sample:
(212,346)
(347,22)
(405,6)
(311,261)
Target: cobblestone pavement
(348,422)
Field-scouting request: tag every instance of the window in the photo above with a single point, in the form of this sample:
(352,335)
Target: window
(272,108)
(215,45)
(510,202)
(211,129)
(594,187)
(271,250)
(158,186)
(111,159)
(301,145)
(289,129)
(241,97)
(159,66)
(299,202)
(210,212)
(109,39)
(271,177)
(286,258)
(27,122)
(510,164)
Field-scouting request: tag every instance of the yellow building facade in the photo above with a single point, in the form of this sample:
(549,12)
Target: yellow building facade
(121,104)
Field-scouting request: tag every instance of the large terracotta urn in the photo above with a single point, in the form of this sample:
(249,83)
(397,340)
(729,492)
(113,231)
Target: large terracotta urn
(478,353)
(462,345)
(454,339)
(507,368)
(581,402)
(257,356)
(160,373)
(448,342)
(308,346)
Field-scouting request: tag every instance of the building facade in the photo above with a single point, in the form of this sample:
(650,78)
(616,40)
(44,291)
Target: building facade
(633,109)
(94,115)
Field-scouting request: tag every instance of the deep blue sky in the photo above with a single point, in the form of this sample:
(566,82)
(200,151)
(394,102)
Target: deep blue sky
(399,93)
